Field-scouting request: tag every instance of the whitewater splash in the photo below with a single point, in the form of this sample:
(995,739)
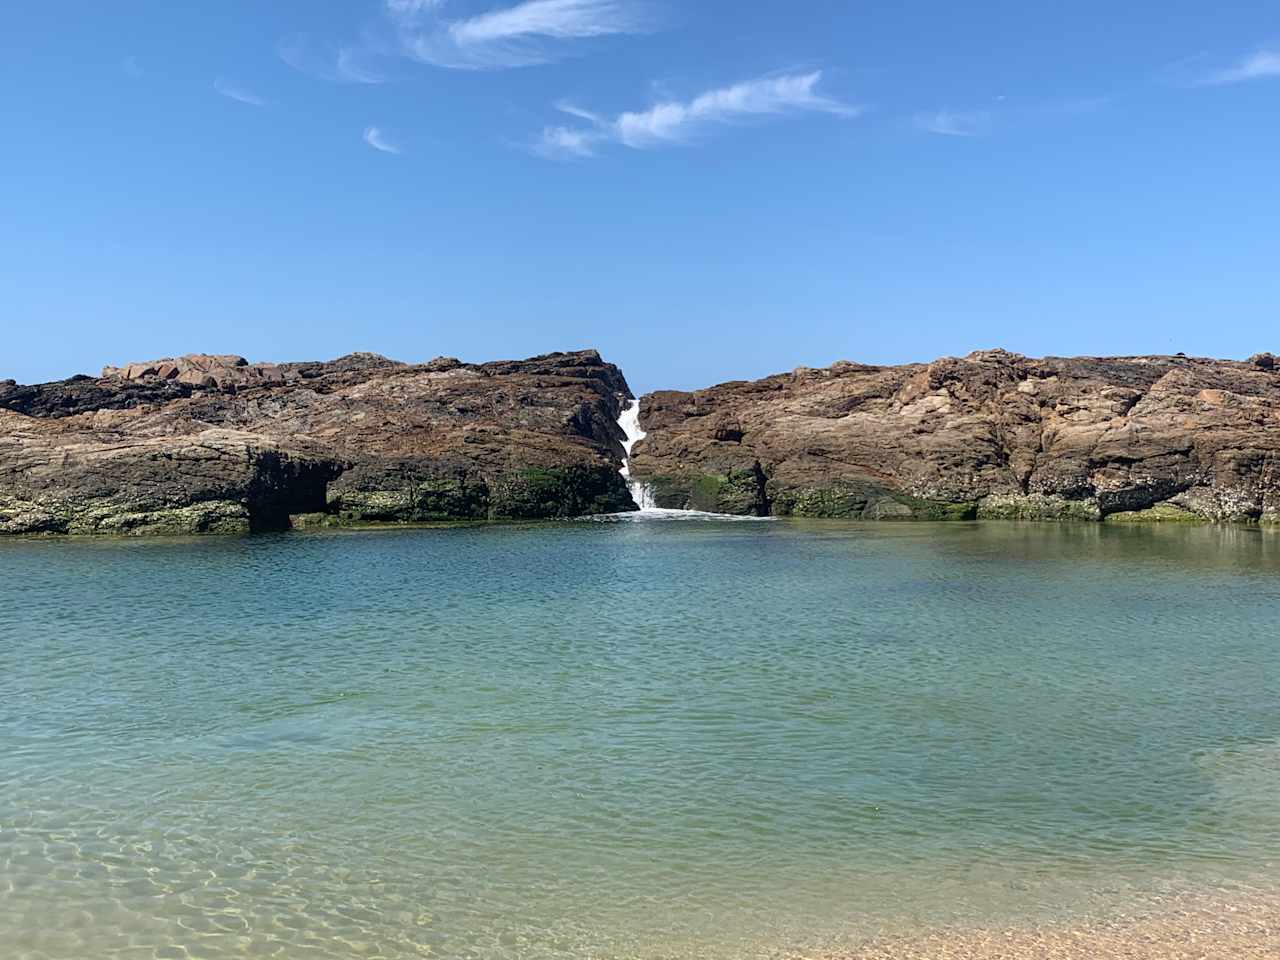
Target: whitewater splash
(641,493)
(630,424)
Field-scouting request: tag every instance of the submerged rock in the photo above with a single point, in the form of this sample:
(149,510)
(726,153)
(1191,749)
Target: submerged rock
(990,435)
(214,444)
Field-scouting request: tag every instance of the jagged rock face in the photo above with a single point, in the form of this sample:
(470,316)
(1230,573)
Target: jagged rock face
(993,434)
(215,444)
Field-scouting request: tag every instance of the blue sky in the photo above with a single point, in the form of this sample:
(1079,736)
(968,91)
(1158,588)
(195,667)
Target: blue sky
(703,191)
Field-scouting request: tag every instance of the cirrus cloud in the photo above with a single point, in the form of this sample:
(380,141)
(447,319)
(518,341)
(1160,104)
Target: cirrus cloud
(676,122)
(528,33)
(239,94)
(954,123)
(1256,66)
(375,138)
(343,65)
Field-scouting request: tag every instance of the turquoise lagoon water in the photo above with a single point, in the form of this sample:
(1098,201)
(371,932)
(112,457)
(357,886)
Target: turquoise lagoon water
(625,739)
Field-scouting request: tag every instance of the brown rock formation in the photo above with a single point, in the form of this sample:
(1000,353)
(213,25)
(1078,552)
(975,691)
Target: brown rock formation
(213,443)
(993,434)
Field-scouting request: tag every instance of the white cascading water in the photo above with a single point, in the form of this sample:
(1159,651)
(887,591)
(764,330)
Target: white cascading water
(640,491)
(630,424)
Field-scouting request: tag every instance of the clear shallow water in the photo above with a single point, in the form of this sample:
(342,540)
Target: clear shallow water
(625,739)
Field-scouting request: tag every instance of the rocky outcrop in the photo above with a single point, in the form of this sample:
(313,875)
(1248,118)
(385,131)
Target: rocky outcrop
(215,444)
(993,434)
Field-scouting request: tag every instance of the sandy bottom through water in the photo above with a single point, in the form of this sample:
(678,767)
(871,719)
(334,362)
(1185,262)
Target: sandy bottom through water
(1237,926)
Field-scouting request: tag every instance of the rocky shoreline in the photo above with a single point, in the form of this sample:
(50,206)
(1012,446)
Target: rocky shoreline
(993,435)
(215,444)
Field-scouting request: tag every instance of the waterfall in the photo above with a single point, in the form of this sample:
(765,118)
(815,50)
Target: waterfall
(630,424)
(640,491)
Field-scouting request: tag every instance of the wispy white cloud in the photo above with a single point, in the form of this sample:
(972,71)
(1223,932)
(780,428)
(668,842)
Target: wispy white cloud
(568,142)
(954,123)
(294,52)
(345,65)
(375,138)
(675,121)
(1006,112)
(230,90)
(353,67)
(1256,66)
(564,106)
(531,32)
(412,7)
(558,19)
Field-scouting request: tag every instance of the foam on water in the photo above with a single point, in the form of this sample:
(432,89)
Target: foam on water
(658,513)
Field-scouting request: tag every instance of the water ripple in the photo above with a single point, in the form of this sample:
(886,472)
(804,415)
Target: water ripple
(624,739)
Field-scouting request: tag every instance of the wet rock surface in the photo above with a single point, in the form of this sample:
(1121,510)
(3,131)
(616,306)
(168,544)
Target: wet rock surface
(214,444)
(990,435)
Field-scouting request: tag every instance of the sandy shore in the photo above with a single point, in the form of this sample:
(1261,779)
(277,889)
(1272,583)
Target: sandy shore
(1245,927)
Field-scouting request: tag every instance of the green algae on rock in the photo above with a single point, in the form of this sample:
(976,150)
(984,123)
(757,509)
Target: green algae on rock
(737,492)
(1160,513)
(82,519)
(1037,506)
